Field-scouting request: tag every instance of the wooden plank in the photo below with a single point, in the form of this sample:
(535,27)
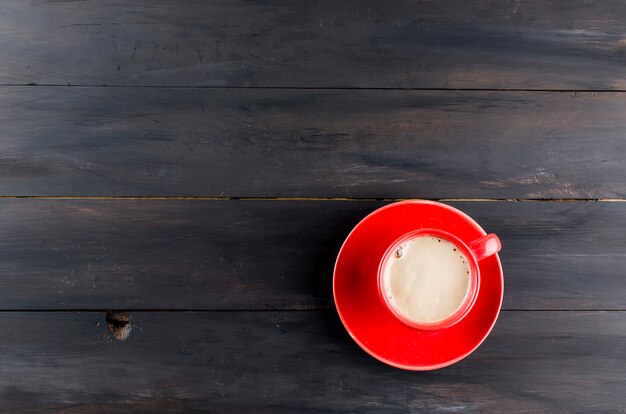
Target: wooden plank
(560,44)
(183,254)
(284,362)
(379,144)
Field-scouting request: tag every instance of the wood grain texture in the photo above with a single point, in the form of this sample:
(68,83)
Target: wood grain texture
(230,99)
(122,254)
(288,143)
(284,362)
(402,44)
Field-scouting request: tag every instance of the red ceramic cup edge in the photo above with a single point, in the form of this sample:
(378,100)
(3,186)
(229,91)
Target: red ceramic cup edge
(470,297)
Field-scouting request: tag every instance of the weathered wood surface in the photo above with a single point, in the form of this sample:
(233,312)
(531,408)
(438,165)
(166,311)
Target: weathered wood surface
(185,254)
(560,44)
(285,362)
(379,144)
(238,292)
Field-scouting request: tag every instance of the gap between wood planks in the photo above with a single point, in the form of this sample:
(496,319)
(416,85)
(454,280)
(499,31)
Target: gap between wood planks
(236,198)
(311,309)
(360,88)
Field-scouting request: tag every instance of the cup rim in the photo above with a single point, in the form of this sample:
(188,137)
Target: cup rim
(470,297)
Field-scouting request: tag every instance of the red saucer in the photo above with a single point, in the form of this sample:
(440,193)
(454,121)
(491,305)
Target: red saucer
(372,326)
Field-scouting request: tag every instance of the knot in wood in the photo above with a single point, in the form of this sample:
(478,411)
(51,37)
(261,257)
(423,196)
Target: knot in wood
(118,324)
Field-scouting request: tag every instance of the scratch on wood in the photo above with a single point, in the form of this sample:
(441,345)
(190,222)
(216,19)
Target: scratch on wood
(78,25)
(198,102)
(135,50)
(267,30)
(234,266)
(57,1)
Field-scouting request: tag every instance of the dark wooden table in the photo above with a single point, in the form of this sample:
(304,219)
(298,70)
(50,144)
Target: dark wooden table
(197,164)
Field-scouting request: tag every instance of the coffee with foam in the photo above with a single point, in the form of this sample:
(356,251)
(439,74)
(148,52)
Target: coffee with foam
(426,279)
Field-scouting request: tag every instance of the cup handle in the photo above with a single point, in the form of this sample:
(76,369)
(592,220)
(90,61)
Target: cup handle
(485,246)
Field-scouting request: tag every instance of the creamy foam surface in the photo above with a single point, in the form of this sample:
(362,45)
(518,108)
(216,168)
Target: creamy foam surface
(427,279)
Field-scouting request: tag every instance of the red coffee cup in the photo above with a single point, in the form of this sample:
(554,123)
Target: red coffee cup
(475,251)
(373,322)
